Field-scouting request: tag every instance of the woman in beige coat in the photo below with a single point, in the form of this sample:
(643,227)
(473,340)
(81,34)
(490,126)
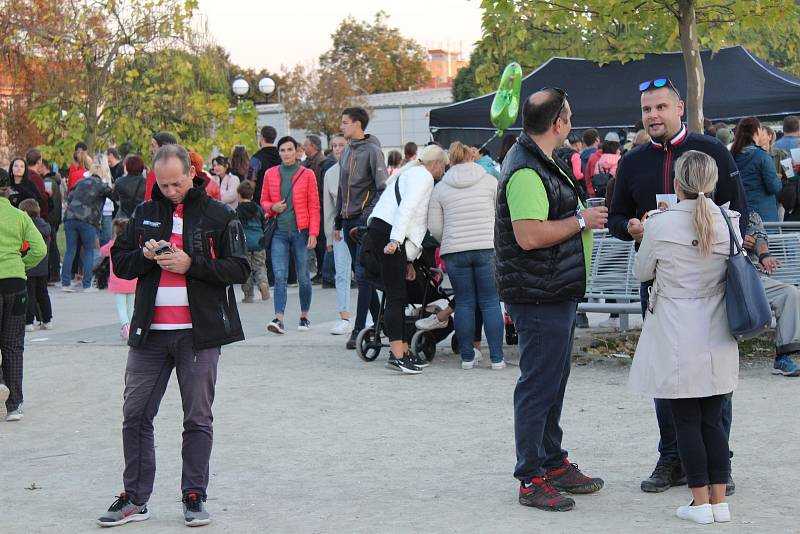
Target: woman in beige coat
(686,352)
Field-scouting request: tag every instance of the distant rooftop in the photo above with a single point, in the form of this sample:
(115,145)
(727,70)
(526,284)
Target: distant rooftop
(422,97)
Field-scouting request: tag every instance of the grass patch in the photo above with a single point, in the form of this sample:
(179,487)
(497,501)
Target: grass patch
(623,345)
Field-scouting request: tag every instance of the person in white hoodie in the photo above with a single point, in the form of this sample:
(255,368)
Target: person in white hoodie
(397,226)
(335,241)
(461,217)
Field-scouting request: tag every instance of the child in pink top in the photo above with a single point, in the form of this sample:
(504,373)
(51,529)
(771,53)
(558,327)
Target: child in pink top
(125,289)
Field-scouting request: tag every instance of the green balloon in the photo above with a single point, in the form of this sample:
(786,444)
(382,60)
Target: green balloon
(505,106)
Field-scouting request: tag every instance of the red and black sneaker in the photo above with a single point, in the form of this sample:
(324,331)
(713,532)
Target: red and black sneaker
(540,494)
(569,478)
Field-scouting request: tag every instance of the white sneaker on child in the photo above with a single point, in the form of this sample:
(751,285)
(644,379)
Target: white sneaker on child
(722,513)
(342,327)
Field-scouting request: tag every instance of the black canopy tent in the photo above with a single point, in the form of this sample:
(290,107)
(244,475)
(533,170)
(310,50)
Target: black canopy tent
(738,84)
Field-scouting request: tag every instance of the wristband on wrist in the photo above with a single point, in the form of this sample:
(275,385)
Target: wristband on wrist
(763,256)
(581,220)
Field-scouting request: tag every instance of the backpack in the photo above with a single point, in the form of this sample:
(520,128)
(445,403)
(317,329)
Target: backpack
(599,182)
(253,231)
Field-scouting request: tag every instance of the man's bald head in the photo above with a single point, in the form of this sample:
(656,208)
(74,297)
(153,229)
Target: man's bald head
(542,109)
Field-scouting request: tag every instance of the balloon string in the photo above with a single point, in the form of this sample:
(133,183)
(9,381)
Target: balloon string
(497,134)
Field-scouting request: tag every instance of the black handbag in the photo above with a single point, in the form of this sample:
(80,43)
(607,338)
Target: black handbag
(272,223)
(746,300)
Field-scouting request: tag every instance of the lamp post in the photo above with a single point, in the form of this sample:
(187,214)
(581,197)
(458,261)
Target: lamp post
(240,88)
(266,86)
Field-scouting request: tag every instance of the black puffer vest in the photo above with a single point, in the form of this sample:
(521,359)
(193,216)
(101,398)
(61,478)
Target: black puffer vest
(553,274)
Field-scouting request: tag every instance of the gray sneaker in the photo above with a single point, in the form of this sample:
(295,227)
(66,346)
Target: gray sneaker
(123,511)
(4,393)
(14,415)
(194,511)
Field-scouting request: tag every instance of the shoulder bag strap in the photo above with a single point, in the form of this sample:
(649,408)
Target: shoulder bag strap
(736,247)
(397,191)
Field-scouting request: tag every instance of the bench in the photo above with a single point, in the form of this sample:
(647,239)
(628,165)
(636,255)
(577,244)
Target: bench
(785,247)
(612,287)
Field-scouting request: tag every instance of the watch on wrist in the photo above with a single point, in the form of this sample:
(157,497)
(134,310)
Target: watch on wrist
(581,220)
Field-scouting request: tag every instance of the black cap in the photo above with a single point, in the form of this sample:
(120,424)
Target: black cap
(5,179)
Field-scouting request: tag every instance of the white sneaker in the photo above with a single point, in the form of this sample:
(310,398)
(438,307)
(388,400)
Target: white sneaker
(342,327)
(16,415)
(430,322)
(91,289)
(478,355)
(4,393)
(611,322)
(46,326)
(71,289)
(722,513)
(497,366)
(29,328)
(702,514)
(468,364)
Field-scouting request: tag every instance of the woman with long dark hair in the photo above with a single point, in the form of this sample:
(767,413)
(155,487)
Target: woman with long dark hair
(240,162)
(228,182)
(756,168)
(22,186)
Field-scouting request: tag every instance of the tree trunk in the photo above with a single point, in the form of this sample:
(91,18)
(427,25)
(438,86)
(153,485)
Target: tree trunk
(695,78)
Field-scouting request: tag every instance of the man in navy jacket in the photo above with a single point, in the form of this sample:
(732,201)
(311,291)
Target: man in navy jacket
(644,172)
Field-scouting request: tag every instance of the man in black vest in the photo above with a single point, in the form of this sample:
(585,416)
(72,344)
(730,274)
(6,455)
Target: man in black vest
(543,240)
(644,172)
(266,158)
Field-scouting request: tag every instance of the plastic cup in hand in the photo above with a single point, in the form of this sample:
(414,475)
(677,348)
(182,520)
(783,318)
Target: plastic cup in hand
(595,202)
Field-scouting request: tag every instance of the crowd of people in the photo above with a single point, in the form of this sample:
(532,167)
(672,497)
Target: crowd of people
(518,230)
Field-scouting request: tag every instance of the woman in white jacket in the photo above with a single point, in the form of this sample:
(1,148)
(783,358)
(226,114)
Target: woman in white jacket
(686,352)
(397,230)
(461,217)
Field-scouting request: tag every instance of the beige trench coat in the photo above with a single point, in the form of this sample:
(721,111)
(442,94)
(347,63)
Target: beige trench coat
(686,349)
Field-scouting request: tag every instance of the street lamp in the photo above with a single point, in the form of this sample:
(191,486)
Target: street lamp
(240,87)
(266,86)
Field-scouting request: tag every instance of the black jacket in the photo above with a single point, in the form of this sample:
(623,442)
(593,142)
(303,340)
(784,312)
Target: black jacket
(129,192)
(213,237)
(649,170)
(266,158)
(553,274)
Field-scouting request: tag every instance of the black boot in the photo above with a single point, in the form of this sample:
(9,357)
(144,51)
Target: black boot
(351,343)
(663,478)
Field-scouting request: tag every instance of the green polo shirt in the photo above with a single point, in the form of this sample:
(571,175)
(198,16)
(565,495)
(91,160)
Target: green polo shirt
(527,199)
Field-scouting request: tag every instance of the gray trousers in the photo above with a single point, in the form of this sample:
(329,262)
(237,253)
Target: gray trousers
(784,299)
(146,377)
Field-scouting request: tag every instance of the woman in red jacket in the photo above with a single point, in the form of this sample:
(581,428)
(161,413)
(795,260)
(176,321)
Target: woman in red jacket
(290,194)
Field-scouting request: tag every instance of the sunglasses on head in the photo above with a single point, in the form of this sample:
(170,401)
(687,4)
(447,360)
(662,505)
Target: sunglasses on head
(561,93)
(658,83)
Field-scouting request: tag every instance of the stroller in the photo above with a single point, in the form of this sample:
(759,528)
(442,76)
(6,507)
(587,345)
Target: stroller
(424,290)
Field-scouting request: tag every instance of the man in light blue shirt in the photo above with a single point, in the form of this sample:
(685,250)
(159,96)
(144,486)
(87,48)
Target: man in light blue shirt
(791,134)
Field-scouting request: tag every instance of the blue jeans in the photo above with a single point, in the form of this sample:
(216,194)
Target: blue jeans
(284,243)
(105,229)
(328,268)
(668,439)
(76,231)
(344,266)
(545,333)
(472,275)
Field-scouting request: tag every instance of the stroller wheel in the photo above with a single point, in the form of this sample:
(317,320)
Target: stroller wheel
(368,345)
(423,345)
(454,344)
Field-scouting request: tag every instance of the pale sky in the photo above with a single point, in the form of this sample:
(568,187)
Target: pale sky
(267,33)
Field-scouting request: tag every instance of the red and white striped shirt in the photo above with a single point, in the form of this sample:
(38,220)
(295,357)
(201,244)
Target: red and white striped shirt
(172,300)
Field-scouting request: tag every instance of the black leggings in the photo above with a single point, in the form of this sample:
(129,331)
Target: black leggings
(393,276)
(702,442)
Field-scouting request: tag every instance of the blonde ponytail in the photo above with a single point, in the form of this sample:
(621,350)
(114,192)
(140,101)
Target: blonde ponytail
(696,175)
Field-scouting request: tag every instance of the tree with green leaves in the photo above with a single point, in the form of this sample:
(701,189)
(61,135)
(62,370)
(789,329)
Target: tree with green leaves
(375,57)
(315,97)
(532,31)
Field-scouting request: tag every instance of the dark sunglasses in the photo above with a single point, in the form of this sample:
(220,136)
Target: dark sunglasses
(563,94)
(658,83)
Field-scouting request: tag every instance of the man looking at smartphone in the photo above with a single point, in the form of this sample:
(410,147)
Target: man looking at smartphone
(186,251)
